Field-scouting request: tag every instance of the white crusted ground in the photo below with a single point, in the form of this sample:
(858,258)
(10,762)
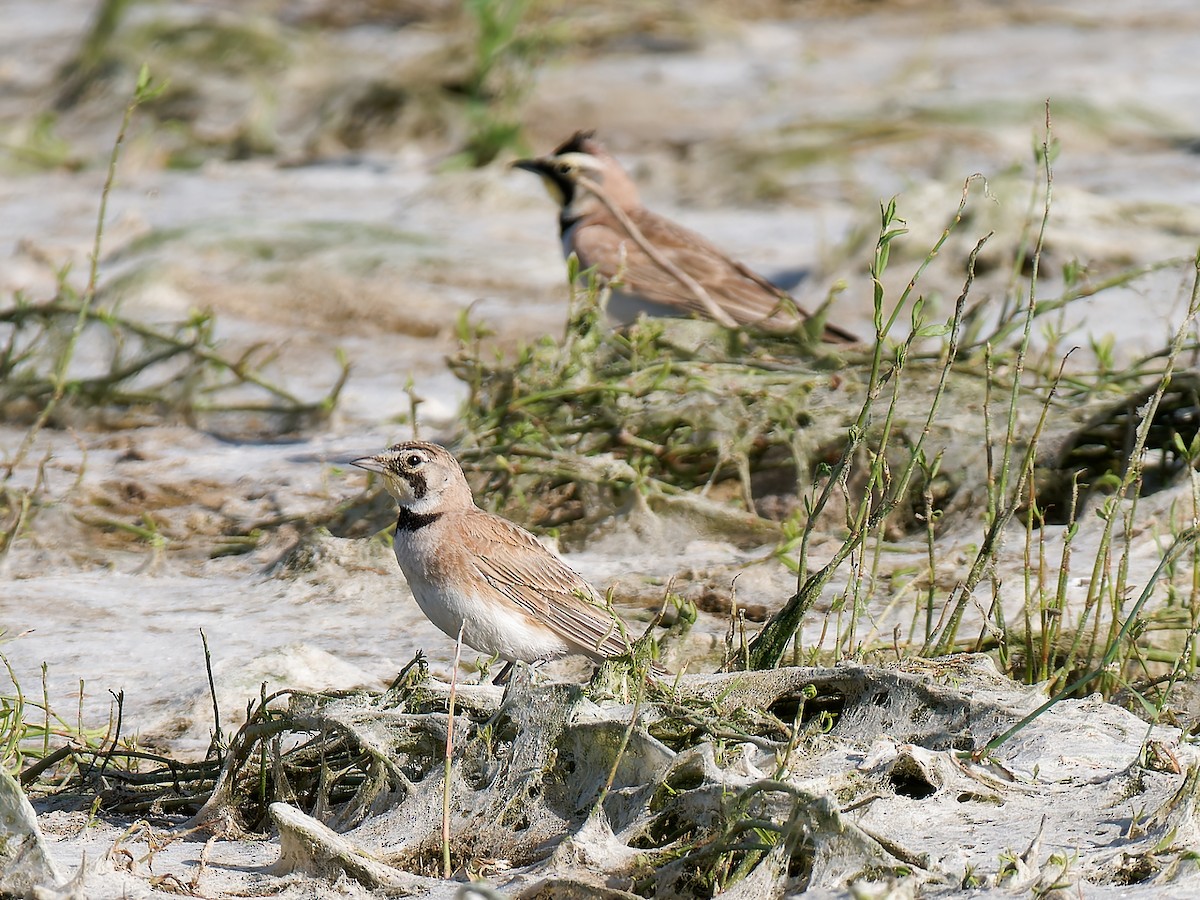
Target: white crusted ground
(1086,798)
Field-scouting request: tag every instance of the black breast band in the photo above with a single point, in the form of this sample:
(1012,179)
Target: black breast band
(411,521)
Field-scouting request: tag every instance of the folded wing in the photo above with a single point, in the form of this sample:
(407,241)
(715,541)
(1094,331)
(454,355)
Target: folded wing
(540,584)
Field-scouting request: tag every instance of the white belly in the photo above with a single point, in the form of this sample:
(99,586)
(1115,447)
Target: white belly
(492,627)
(624,308)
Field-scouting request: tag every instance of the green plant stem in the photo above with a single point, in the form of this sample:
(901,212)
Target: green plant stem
(1000,500)
(1183,542)
(141,93)
(1133,472)
(769,645)
(447,781)
(946,635)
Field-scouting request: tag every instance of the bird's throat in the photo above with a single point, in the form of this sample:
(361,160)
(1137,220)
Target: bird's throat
(409,521)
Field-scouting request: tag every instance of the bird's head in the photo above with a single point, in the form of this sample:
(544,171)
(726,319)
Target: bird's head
(423,477)
(582,159)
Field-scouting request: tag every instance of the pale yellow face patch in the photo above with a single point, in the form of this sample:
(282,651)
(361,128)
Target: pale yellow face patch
(398,487)
(553,190)
(386,464)
(570,166)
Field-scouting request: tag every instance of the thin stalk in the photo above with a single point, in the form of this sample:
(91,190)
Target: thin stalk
(141,93)
(769,644)
(856,433)
(1030,310)
(45,710)
(1048,618)
(1059,603)
(1101,567)
(1031,655)
(999,501)
(1183,542)
(447,783)
(993,539)
(621,749)
(931,472)
(218,738)
(1194,594)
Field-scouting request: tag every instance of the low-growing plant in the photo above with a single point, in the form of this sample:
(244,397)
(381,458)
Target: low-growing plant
(178,372)
(853,441)
(500,76)
(36,740)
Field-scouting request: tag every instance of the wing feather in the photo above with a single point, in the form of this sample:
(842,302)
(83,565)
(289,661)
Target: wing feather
(740,291)
(746,299)
(537,582)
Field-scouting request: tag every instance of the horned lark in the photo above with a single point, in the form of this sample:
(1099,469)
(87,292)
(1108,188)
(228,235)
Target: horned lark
(653,265)
(471,570)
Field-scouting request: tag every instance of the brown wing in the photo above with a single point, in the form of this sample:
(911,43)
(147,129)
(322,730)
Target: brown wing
(740,291)
(512,561)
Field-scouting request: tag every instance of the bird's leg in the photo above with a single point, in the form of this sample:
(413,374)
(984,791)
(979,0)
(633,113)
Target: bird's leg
(504,674)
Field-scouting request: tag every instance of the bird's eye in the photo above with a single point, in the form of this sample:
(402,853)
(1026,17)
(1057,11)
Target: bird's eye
(564,168)
(413,460)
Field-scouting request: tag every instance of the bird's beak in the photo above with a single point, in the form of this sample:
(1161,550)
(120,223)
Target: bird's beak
(537,166)
(370,463)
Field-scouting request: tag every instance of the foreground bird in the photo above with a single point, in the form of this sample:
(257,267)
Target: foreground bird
(655,265)
(472,570)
